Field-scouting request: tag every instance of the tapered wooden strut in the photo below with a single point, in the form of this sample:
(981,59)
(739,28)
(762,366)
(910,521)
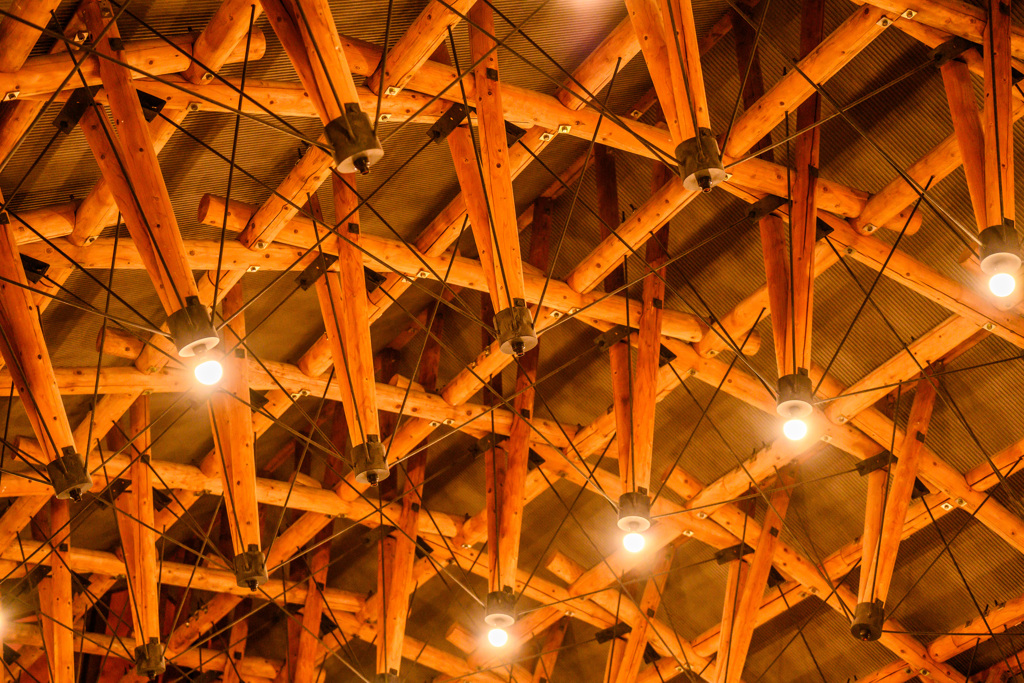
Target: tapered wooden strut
(496,169)
(619,354)
(804,218)
(135,523)
(342,296)
(398,551)
(900,490)
(542,672)
(644,391)
(732,654)
(997,118)
(28,360)
(232,427)
(55,599)
(143,182)
(636,641)
(309,643)
(963,110)
(507,526)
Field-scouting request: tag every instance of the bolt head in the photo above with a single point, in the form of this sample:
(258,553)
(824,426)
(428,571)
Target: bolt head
(701,514)
(90,239)
(12,95)
(635,114)
(555,314)
(687,532)
(884,22)
(422,274)
(81,37)
(384,117)
(712,353)
(564,128)
(252,269)
(207,76)
(961,502)
(449,421)
(841,419)
(826,438)
(193,106)
(870,227)
(947,506)
(260,244)
(547,137)
(908,14)
(435,423)
(989,327)
(467,546)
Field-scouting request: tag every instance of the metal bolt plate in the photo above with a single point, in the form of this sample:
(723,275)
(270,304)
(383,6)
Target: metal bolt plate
(391,90)
(908,14)
(961,502)
(564,128)
(947,506)
(252,269)
(687,532)
(547,137)
(555,314)
(12,95)
(435,423)
(384,117)
(884,22)
(635,114)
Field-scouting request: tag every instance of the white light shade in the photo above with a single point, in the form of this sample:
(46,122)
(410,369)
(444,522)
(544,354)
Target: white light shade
(794,429)
(633,542)
(1002,284)
(209,372)
(497,637)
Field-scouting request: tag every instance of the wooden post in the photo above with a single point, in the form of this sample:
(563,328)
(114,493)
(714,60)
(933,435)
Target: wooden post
(232,426)
(309,643)
(549,652)
(342,295)
(237,637)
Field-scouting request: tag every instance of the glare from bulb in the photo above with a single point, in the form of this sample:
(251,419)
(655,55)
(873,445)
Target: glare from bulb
(1002,284)
(633,542)
(497,637)
(794,429)
(209,372)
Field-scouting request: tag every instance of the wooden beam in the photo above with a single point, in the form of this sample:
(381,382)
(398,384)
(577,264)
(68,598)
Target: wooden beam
(19,38)
(342,296)
(225,31)
(427,32)
(238,636)
(495,166)
(43,74)
(659,48)
(232,427)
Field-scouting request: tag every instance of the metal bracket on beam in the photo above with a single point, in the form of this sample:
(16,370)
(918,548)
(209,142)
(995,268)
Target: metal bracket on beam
(513,133)
(650,654)
(71,113)
(950,50)
(821,230)
(448,122)
(878,462)
(617,631)
(665,356)
(534,461)
(373,279)
(765,206)
(34,268)
(485,444)
(422,548)
(315,270)
(920,490)
(736,552)
(151,104)
(607,340)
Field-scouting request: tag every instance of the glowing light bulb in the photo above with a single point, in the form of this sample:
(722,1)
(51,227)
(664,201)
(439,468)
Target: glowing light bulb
(497,637)
(633,542)
(209,372)
(795,429)
(1002,284)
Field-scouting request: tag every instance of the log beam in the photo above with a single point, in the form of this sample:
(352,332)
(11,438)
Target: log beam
(636,641)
